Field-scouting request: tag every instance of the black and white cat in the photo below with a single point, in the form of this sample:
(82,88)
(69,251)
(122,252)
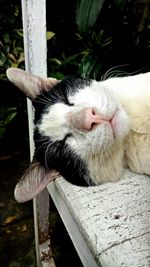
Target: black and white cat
(88,131)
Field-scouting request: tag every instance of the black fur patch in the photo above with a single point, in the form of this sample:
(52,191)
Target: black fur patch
(59,93)
(59,156)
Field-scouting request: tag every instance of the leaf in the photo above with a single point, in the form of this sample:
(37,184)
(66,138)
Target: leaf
(12,57)
(21,58)
(8,231)
(6,38)
(50,35)
(10,117)
(89,67)
(87,13)
(57,75)
(2,131)
(11,109)
(9,219)
(6,157)
(2,59)
(20,32)
(2,76)
(72,59)
(24,228)
(55,61)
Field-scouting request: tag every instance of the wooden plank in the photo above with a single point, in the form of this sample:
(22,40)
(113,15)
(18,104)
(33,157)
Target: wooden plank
(72,227)
(34,26)
(113,219)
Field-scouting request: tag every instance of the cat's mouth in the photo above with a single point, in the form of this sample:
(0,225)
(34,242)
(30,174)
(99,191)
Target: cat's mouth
(89,119)
(113,122)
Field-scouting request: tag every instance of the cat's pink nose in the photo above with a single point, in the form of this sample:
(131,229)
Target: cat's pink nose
(87,119)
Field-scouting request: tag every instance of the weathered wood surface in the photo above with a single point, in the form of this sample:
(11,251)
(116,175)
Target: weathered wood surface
(113,218)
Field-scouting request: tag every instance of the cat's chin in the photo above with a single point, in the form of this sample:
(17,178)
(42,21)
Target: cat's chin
(102,137)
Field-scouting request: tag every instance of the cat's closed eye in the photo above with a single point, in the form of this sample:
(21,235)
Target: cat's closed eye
(70,104)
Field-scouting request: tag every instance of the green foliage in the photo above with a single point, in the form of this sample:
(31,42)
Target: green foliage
(12,54)
(84,37)
(7,114)
(50,35)
(11,36)
(97,35)
(87,13)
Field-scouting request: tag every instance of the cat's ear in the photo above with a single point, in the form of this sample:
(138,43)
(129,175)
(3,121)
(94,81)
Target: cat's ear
(33,182)
(30,85)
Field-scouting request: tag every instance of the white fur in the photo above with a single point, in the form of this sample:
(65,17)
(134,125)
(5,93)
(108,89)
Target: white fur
(107,150)
(54,122)
(102,151)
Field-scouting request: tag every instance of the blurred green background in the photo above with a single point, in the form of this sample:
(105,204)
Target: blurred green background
(84,37)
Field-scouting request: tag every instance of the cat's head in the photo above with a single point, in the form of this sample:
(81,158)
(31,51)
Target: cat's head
(75,119)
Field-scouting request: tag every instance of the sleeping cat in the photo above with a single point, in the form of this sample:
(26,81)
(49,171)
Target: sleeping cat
(88,131)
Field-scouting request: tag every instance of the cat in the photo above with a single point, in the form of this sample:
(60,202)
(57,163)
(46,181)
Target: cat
(86,130)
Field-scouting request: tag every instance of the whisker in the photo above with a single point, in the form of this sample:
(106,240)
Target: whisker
(58,95)
(40,139)
(41,102)
(44,144)
(47,100)
(44,98)
(118,73)
(134,72)
(109,71)
(46,156)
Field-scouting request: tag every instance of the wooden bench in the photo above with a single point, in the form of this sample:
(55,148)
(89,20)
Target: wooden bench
(108,224)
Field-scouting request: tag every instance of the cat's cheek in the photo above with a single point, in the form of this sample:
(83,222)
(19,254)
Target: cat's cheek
(91,142)
(120,124)
(73,143)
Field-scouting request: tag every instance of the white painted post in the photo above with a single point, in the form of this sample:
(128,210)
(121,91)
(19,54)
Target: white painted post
(34,27)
